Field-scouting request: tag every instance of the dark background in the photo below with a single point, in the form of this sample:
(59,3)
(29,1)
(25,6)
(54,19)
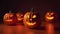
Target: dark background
(40,6)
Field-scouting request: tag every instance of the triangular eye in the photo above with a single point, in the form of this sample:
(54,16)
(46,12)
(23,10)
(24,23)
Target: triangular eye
(28,16)
(52,13)
(11,15)
(34,16)
(47,13)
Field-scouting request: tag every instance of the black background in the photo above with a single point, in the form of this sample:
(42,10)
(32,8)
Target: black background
(40,6)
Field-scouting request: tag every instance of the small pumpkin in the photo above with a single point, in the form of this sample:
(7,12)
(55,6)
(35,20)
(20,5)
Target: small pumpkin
(31,19)
(50,16)
(19,17)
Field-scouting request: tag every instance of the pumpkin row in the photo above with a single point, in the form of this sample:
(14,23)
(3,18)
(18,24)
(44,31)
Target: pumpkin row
(30,19)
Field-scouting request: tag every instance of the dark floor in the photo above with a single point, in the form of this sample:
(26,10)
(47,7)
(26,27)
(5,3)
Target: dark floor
(20,29)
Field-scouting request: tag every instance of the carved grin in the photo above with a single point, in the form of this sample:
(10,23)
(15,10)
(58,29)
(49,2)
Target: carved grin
(30,23)
(50,18)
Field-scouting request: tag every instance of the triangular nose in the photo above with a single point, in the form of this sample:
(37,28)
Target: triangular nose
(30,19)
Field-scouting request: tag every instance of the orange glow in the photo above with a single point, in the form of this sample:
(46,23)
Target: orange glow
(28,16)
(49,15)
(10,20)
(26,19)
(50,18)
(30,24)
(50,28)
(19,16)
(19,29)
(30,32)
(11,15)
(8,16)
(34,16)
(7,30)
(19,19)
(29,20)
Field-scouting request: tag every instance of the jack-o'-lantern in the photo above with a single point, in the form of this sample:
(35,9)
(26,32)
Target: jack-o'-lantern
(31,19)
(9,18)
(50,16)
(19,17)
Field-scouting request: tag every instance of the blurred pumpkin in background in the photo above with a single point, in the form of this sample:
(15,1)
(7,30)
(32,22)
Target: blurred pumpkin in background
(9,18)
(19,17)
(50,16)
(31,19)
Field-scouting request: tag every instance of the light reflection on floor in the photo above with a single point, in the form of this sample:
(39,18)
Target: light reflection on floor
(20,29)
(49,28)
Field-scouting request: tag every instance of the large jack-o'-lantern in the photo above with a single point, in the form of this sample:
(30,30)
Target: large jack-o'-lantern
(19,17)
(10,18)
(31,19)
(50,16)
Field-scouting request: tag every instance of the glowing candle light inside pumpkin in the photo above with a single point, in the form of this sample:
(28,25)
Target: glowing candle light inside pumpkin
(7,17)
(49,16)
(30,23)
(34,16)
(30,19)
(19,16)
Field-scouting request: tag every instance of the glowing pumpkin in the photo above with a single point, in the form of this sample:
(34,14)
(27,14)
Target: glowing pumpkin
(50,16)
(19,17)
(31,19)
(10,18)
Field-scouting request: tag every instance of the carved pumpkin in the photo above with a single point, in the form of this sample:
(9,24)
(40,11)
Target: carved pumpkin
(31,19)
(50,16)
(19,17)
(10,18)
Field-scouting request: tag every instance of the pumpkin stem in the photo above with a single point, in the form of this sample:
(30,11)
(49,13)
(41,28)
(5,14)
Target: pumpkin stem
(31,12)
(9,11)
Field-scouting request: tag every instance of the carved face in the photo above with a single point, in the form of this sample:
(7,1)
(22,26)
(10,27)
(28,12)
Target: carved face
(8,17)
(50,16)
(30,19)
(19,16)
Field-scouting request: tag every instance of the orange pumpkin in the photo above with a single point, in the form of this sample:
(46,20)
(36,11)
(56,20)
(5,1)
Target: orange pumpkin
(10,18)
(19,17)
(31,19)
(50,16)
